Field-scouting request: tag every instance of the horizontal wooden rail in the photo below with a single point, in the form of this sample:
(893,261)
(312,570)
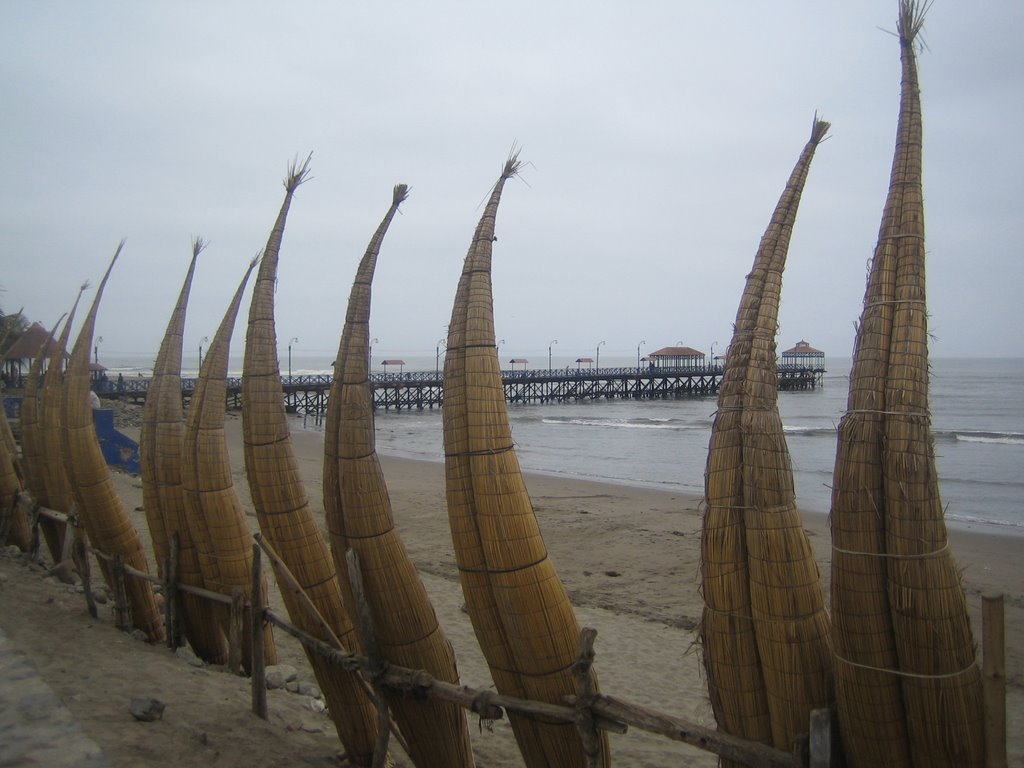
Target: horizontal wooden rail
(587,710)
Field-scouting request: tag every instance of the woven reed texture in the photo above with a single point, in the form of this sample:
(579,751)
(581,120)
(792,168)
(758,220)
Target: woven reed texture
(787,599)
(162,430)
(31,430)
(521,614)
(359,516)
(933,634)
(764,629)
(282,506)
(211,507)
(18,531)
(99,507)
(899,605)
(58,489)
(869,702)
(161,455)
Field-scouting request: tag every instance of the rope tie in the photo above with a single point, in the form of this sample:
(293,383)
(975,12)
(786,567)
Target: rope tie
(902,673)
(762,620)
(919,414)
(483,452)
(894,556)
(883,302)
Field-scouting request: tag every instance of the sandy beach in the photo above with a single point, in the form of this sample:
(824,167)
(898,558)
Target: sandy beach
(629,558)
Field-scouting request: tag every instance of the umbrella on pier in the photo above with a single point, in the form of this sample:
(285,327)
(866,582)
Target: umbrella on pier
(282,505)
(521,614)
(764,630)
(100,509)
(908,686)
(359,517)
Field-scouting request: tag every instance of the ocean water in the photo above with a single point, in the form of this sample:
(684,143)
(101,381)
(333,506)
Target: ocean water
(977,410)
(977,422)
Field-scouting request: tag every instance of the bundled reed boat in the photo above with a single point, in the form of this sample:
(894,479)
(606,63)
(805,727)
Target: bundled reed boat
(282,506)
(161,456)
(907,682)
(764,630)
(359,518)
(521,613)
(33,464)
(99,507)
(212,508)
(58,489)
(14,525)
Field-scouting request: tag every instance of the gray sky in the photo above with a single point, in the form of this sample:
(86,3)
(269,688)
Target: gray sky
(659,136)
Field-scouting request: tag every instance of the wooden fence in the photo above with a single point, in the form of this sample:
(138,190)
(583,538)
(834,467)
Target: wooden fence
(587,710)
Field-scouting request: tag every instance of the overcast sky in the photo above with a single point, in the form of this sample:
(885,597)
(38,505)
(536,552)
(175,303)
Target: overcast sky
(658,137)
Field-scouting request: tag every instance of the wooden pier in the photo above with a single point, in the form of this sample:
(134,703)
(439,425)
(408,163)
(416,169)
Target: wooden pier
(418,390)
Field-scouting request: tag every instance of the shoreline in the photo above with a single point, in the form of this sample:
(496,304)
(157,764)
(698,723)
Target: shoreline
(979,527)
(628,556)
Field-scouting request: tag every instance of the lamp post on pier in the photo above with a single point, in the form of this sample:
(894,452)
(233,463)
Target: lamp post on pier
(638,354)
(96,349)
(713,353)
(553,342)
(292,340)
(597,356)
(203,341)
(437,355)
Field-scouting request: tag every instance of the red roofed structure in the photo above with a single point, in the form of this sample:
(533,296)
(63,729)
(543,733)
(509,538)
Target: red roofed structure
(803,355)
(677,357)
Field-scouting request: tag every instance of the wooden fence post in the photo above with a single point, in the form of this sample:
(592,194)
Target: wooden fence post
(80,554)
(821,745)
(171,619)
(367,633)
(7,512)
(585,724)
(259,670)
(235,633)
(33,549)
(120,595)
(994,679)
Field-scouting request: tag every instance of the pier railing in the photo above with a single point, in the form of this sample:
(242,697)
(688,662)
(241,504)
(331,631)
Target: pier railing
(408,390)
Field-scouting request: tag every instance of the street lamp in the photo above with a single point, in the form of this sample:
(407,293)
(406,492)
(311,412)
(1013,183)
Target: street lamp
(553,342)
(96,349)
(713,353)
(204,340)
(597,357)
(292,340)
(638,354)
(437,355)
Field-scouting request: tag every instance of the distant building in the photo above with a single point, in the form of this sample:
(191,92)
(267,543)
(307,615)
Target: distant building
(677,357)
(803,355)
(19,356)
